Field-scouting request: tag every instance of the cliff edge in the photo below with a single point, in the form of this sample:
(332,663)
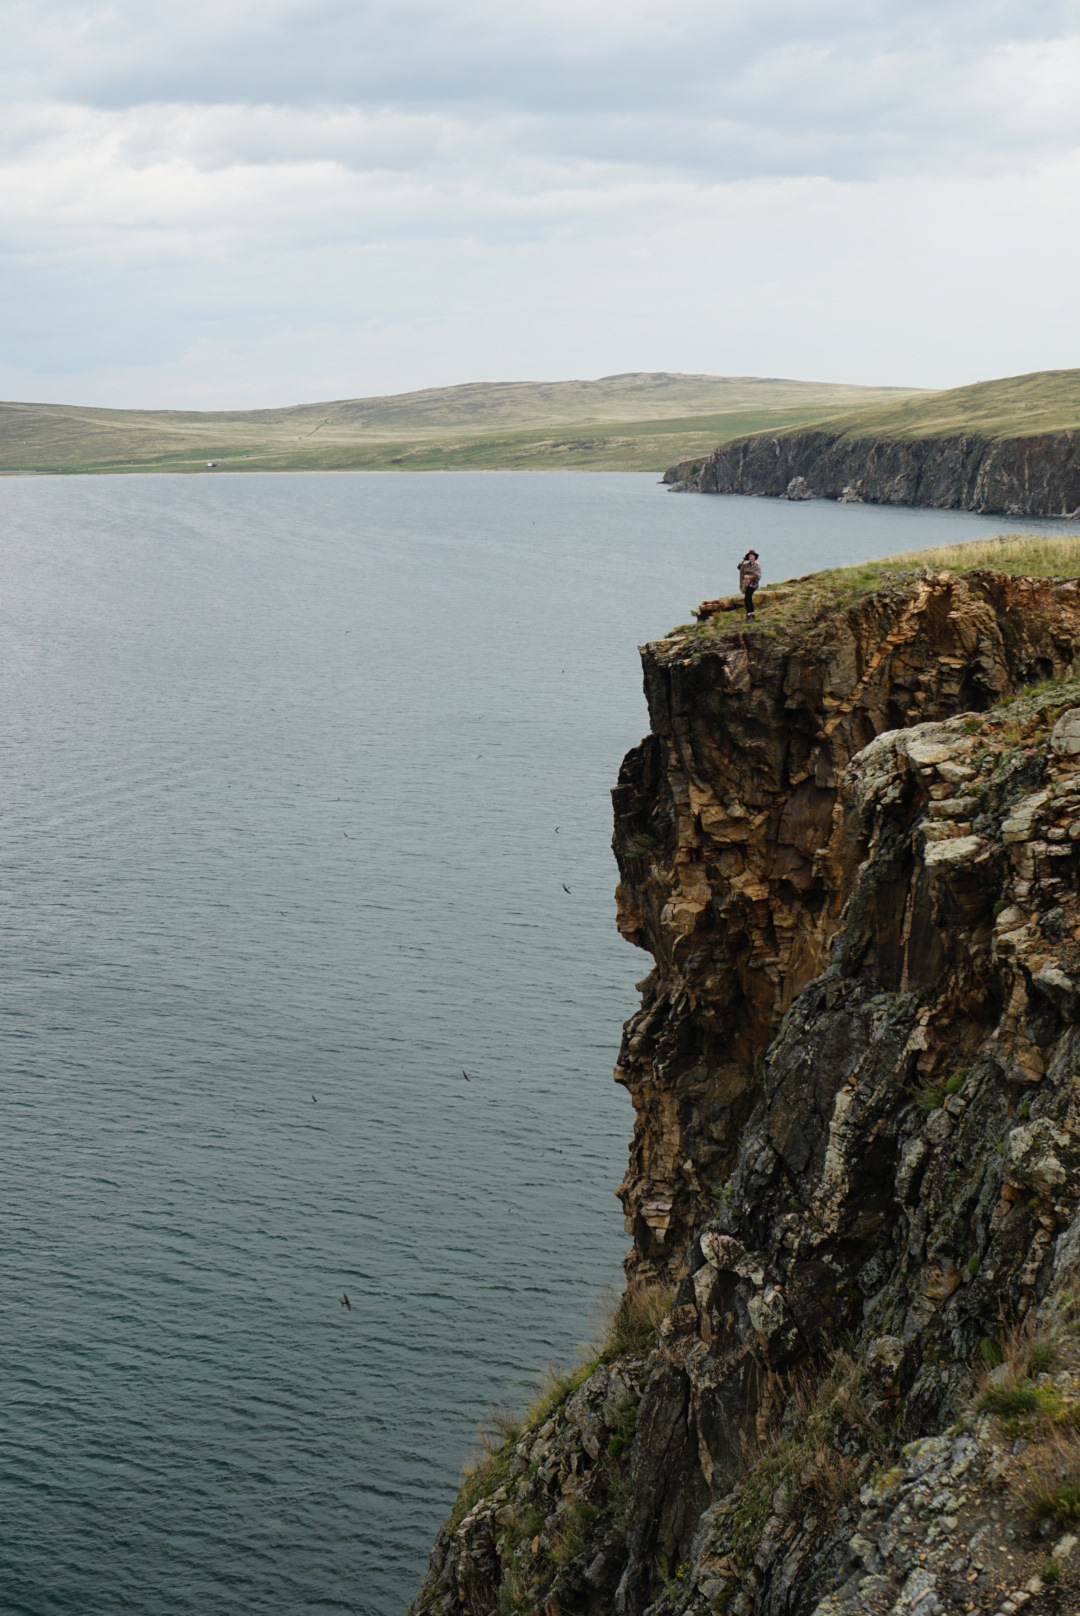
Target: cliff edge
(1020,476)
(845,1375)
(1010,446)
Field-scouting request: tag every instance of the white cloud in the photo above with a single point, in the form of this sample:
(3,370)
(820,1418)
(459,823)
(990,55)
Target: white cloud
(249,203)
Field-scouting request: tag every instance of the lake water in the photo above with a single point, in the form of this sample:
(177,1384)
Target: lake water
(295,770)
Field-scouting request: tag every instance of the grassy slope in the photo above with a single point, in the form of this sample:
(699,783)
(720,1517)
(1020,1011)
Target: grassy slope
(801,602)
(637,422)
(1014,407)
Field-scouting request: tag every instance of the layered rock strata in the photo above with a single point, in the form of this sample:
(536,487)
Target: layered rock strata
(1034,476)
(852,849)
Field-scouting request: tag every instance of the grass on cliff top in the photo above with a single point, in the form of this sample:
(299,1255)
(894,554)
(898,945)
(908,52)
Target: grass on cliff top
(1028,555)
(1044,401)
(1009,407)
(804,601)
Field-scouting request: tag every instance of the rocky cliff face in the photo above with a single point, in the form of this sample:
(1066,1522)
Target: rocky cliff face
(852,848)
(1036,476)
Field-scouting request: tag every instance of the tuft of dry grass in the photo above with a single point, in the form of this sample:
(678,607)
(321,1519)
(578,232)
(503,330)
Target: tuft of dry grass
(1041,1342)
(1050,1489)
(1047,1482)
(571,1530)
(809,1462)
(626,1325)
(1033,555)
(631,1323)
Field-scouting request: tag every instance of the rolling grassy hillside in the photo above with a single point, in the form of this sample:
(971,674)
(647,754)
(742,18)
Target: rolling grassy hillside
(1014,407)
(636,422)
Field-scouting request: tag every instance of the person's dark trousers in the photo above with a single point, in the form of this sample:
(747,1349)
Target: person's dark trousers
(748,599)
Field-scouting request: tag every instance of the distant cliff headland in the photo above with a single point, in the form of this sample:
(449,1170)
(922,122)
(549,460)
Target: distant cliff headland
(1010,447)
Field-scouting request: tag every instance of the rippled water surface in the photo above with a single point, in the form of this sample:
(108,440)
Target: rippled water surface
(294,772)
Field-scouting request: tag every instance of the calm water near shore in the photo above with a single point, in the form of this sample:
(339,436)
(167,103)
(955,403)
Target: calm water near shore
(295,769)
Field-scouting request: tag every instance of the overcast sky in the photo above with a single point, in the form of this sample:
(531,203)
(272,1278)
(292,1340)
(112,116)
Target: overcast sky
(230,203)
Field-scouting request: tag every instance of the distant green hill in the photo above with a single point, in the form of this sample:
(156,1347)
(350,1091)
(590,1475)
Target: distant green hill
(634,422)
(1015,407)
(1009,447)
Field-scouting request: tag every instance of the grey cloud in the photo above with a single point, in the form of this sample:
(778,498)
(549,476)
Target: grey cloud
(221,179)
(847,88)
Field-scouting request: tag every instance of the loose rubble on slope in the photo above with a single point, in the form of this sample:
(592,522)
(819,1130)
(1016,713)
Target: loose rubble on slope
(853,851)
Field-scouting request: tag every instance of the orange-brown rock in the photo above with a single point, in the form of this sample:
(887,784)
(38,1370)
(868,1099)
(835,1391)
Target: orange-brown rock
(736,857)
(851,845)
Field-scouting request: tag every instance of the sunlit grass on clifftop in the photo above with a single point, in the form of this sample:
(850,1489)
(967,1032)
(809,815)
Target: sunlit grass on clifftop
(1029,555)
(816,596)
(1044,402)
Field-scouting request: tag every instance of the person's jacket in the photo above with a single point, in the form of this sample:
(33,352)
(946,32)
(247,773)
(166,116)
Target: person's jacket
(749,575)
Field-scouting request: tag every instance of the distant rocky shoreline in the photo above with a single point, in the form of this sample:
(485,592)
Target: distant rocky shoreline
(1020,476)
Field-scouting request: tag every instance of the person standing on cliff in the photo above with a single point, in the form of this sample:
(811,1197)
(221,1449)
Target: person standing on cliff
(749,578)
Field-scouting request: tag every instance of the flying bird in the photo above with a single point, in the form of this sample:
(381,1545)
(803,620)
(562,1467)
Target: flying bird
(345,1302)
(465,1075)
(556,830)
(346,835)
(314,1101)
(566,888)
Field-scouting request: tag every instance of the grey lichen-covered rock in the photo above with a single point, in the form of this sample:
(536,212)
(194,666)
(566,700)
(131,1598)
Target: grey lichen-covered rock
(857,1122)
(1043,1157)
(1065,735)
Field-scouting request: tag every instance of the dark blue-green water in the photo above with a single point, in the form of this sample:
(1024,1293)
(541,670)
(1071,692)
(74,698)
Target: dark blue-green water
(294,772)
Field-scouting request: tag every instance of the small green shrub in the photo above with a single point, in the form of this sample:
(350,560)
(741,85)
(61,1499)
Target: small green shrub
(641,846)
(990,1352)
(513,1596)
(673,1584)
(955,1084)
(1049,1571)
(930,1098)
(723,1196)
(525,1524)
(1025,1109)
(1000,907)
(571,1530)
(624,1426)
(973,1264)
